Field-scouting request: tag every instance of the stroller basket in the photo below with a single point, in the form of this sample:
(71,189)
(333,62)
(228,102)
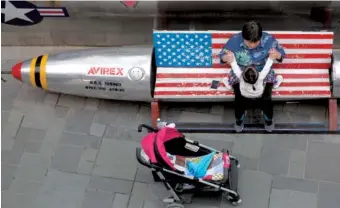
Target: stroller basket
(167,153)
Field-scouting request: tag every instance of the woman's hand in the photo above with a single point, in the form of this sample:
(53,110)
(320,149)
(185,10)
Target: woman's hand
(274,54)
(228,57)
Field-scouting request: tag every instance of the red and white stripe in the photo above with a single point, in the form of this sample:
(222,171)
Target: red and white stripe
(51,12)
(305,69)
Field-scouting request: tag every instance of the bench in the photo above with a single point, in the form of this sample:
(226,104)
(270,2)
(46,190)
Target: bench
(187,63)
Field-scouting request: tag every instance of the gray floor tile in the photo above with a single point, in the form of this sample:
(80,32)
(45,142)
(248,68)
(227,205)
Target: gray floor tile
(61,111)
(10,200)
(328,196)
(25,187)
(254,188)
(152,204)
(292,199)
(297,184)
(144,174)
(274,161)
(7,176)
(123,133)
(80,140)
(39,117)
(283,141)
(91,104)
(33,147)
(71,101)
(115,153)
(79,121)
(247,163)
(97,129)
(323,156)
(297,163)
(97,199)
(121,201)
(62,190)
(67,158)
(32,167)
(135,202)
(110,185)
(248,146)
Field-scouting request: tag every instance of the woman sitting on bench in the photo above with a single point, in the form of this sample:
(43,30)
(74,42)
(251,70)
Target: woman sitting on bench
(252,86)
(252,47)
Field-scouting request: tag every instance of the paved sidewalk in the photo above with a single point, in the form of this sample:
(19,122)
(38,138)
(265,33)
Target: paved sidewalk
(71,152)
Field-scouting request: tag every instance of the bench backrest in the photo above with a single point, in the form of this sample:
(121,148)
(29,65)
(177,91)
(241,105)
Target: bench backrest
(187,63)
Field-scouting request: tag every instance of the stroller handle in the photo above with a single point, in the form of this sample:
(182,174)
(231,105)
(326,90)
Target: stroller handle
(139,158)
(150,128)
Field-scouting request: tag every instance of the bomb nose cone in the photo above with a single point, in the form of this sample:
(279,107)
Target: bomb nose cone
(16,71)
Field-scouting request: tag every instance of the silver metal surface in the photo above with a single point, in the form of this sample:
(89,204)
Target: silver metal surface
(336,74)
(121,73)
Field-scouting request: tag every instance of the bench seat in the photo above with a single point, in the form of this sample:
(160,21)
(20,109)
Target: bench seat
(306,68)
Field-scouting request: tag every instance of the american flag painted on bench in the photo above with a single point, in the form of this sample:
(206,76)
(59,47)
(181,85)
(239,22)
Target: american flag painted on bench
(187,63)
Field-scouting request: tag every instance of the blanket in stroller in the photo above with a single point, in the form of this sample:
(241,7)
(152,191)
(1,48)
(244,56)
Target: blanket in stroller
(217,169)
(199,167)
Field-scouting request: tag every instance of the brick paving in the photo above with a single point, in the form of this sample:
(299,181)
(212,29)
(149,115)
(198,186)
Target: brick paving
(74,152)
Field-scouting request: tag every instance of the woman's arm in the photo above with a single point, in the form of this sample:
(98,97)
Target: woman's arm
(266,69)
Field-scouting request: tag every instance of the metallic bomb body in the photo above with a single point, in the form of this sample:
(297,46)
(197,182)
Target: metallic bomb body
(121,73)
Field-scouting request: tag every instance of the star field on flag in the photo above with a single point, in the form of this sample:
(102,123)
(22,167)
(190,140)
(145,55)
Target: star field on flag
(183,49)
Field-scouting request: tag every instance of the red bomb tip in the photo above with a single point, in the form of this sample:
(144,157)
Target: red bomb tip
(16,71)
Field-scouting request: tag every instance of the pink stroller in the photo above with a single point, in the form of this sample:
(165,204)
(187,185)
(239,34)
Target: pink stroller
(167,153)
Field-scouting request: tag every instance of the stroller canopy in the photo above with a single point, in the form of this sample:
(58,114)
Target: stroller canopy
(153,144)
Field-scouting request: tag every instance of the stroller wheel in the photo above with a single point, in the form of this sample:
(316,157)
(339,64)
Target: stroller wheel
(232,199)
(175,205)
(236,203)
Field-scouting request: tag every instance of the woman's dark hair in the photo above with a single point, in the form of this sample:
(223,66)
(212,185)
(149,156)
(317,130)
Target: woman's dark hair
(250,75)
(252,31)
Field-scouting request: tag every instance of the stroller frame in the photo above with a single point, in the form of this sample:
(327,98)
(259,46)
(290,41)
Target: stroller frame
(232,196)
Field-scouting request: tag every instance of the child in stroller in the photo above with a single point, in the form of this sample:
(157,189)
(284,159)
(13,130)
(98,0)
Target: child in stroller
(167,153)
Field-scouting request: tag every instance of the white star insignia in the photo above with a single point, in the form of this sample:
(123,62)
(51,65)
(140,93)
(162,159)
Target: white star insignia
(11,12)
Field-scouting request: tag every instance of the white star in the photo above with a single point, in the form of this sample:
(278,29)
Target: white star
(159,42)
(11,12)
(158,35)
